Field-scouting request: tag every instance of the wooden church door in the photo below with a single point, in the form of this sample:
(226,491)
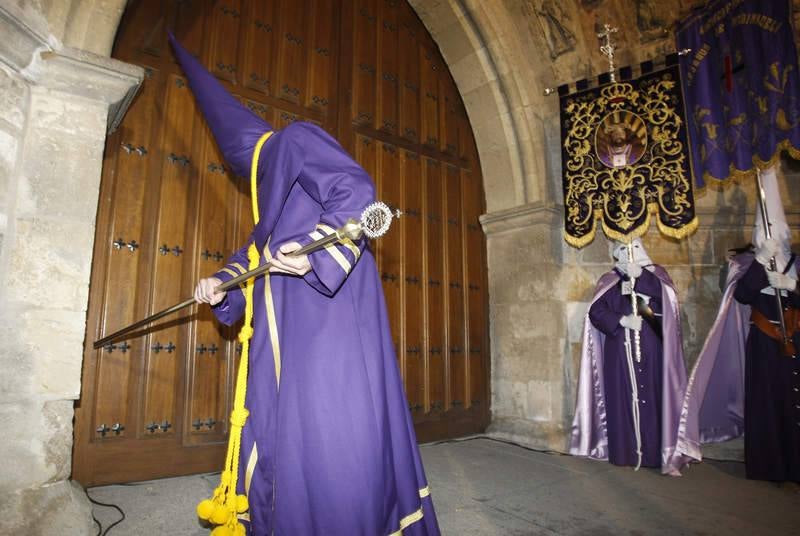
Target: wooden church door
(157,403)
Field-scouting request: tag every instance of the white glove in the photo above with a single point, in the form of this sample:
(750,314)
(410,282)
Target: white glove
(632,270)
(204,292)
(633,322)
(781,281)
(767,250)
(285,263)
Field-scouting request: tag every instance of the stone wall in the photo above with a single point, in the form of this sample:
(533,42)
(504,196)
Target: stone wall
(503,55)
(59,93)
(56,103)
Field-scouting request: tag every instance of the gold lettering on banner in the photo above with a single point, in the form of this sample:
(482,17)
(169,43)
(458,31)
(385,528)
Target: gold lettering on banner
(696,61)
(756,19)
(717,17)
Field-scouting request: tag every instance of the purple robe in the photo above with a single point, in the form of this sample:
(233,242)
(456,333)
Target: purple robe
(603,427)
(329,446)
(742,384)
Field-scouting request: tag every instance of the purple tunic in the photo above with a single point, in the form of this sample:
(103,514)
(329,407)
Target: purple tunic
(603,425)
(605,314)
(329,446)
(772,389)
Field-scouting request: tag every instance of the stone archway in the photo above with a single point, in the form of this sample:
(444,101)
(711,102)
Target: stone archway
(515,126)
(60,94)
(480,58)
(58,89)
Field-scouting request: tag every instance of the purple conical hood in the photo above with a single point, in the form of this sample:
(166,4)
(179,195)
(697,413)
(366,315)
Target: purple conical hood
(235,128)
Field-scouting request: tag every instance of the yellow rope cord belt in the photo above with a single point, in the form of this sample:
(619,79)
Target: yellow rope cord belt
(225,504)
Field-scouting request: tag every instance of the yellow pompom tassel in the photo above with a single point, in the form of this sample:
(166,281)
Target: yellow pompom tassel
(222,531)
(222,509)
(242,505)
(220,515)
(205,509)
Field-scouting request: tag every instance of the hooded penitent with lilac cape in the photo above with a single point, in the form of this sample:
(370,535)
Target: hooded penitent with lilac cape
(329,446)
(741,382)
(604,426)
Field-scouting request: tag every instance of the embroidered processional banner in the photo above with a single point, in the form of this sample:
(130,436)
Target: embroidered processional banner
(741,86)
(625,156)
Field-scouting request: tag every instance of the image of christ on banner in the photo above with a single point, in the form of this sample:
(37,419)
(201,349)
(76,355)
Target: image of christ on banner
(620,139)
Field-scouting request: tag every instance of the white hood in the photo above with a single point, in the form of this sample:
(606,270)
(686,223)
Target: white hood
(619,251)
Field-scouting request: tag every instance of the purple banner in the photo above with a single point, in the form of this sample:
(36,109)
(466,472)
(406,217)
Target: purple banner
(741,86)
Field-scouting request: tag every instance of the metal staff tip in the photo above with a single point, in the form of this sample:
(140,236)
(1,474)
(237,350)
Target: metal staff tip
(377,218)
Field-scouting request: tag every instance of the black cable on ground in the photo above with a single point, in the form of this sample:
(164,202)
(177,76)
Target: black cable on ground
(544,451)
(490,438)
(101,532)
(99,525)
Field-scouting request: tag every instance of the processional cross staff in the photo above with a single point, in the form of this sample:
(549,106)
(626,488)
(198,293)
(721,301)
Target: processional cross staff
(374,223)
(633,349)
(607,49)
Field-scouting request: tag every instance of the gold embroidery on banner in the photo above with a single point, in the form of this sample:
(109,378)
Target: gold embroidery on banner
(335,253)
(273,325)
(775,81)
(738,175)
(346,242)
(251,466)
(626,195)
(778,78)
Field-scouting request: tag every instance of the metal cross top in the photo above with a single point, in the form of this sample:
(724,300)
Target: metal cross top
(608,48)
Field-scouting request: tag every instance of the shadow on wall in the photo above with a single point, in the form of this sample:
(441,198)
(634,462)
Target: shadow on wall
(725,228)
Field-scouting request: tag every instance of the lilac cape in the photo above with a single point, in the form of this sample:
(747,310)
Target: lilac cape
(713,409)
(329,446)
(589,436)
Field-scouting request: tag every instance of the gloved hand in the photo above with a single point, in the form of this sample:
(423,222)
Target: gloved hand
(633,322)
(632,270)
(781,281)
(205,292)
(767,250)
(289,264)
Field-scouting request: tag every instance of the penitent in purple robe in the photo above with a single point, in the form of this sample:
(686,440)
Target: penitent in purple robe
(329,446)
(603,427)
(741,384)
(605,314)
(772,387)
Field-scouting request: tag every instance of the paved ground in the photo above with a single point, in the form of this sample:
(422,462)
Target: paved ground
(485,487)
